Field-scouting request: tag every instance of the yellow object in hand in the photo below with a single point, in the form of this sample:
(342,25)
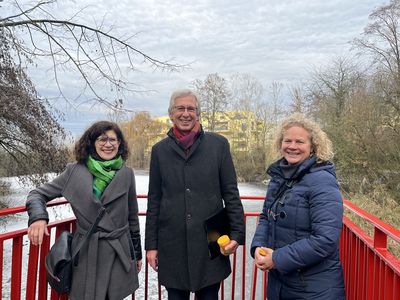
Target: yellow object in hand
(262,252)
(223,241)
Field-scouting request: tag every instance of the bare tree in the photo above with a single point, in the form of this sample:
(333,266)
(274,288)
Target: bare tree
(381,37)
(214,96)
(94,53)
(30,136)
(274,101)
(381,40)
(299,103)
(141,133)
(332,87)
(247,91)
(32,141)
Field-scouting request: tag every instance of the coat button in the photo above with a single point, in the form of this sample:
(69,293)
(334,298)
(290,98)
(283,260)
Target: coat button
(187,190)
(189,216)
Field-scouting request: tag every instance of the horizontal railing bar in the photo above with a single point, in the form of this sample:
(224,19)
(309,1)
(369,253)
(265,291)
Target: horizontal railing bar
(387,262)
(390,231)
(384,254)
(21,232)
(60,201)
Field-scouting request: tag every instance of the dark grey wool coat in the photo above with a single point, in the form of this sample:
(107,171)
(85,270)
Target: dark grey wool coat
(107,262)
(184,190)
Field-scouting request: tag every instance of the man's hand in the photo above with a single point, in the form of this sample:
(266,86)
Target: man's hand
(36,232)
(230,248)
(152,257)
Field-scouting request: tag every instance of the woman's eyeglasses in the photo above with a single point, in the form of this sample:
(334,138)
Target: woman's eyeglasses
(102,140)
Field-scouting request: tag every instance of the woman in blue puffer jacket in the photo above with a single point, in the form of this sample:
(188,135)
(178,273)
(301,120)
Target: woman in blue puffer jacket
(301,221)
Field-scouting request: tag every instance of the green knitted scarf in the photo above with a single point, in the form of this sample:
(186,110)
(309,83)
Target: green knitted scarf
(103,172)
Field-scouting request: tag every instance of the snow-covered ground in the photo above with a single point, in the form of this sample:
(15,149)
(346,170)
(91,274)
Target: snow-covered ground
(19,221)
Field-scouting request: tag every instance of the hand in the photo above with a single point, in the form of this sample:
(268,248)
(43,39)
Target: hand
(36,232)
(264,262)
(152,258)
(230,248)
(139,265)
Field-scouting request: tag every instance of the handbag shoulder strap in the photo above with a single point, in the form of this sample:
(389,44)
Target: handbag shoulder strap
(286,185)
(89,232)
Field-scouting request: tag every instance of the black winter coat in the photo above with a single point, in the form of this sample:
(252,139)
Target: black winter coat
(185,190)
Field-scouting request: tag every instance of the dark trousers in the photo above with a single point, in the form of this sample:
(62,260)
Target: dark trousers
(207,293)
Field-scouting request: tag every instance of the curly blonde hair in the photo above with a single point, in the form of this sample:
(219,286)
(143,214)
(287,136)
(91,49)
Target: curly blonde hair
(321,145)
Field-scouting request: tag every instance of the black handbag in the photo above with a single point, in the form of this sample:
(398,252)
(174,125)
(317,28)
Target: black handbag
(60,258)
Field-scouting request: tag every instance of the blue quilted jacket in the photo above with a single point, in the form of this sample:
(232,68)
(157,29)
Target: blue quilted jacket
(302,223)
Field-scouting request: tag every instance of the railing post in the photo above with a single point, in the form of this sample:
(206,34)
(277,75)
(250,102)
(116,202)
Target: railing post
(1,267)
(42,286)
(16,269)
(380,239)
(244,266)
(31,280)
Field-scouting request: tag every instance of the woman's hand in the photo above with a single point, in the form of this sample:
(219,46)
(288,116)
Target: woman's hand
(139,265)
(36,232)
(264,260)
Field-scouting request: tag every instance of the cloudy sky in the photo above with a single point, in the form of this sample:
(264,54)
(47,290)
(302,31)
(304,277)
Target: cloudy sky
(271,40)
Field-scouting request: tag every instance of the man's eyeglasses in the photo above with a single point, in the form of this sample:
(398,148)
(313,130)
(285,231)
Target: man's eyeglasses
(182,109)
(102,140)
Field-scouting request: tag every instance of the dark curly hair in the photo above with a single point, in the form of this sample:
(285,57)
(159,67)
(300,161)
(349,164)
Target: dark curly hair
(85,145)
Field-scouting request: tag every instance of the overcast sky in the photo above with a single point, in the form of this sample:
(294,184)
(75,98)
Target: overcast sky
(271,40)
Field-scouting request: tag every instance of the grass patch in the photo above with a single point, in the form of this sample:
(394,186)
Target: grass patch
(382,206)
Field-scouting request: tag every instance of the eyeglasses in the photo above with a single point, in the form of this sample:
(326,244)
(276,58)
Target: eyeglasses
(189,109)
(102,140)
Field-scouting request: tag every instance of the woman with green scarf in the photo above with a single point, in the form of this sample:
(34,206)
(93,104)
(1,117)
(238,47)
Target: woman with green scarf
(108,264)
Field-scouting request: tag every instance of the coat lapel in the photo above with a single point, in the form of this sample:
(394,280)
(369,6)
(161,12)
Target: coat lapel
(117,187)
(176,148)
(79,192)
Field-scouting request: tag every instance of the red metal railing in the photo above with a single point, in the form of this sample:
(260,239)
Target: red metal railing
(371,271)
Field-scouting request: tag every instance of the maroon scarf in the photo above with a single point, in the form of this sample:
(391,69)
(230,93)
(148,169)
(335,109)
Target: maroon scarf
(187,139)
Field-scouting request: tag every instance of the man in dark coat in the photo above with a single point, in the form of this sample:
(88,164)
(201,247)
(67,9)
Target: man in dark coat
(192,177)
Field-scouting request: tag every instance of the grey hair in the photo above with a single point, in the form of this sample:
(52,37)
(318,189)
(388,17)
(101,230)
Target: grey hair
(183,93)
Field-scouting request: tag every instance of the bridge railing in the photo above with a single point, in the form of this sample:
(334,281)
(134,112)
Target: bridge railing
(371,271)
